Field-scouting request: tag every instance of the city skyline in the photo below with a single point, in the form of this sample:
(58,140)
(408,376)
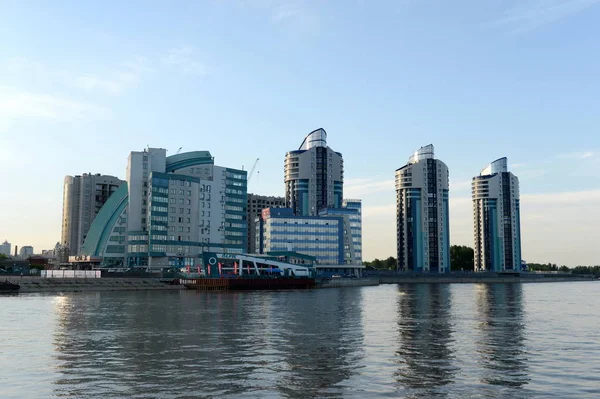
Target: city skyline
(495,81)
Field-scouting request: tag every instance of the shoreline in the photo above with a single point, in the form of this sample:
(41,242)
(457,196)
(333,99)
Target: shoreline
(31,284)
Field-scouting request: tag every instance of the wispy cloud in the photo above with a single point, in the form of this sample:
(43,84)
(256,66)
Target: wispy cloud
(283,12)
(533,14)
(16,104)
(128,74)
(183,59)
(460,185)
(357,188)
(580,155)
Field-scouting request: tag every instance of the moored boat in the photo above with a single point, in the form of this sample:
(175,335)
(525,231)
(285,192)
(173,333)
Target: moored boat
(6,286)
(248,283)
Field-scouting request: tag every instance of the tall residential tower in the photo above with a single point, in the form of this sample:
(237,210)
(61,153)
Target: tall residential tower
(422,208)
(496,218)
(83,197)
(314,176)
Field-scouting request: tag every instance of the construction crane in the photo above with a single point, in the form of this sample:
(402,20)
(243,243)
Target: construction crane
(252,170)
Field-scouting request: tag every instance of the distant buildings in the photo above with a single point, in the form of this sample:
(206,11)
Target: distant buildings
(422,209)
(83,197)
(169,211)
(256,203)
(496,218)
(25,252)
(314,176)
(5,248)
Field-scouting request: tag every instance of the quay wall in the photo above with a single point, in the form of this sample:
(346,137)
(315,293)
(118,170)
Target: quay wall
(477,279)
(38,284)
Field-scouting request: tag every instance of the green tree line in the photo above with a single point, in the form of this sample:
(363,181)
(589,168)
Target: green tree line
(462,258)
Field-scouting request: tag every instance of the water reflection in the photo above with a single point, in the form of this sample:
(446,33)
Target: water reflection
(500,340)
(425,354)
(173,344)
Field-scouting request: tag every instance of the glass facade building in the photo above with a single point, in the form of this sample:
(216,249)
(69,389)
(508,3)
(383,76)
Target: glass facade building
(170,211)
(497,219)
(326,237)
(422,210)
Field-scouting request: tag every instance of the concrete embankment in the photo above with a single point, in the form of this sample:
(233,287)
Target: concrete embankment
(38,284)
(476,279)
(348,282)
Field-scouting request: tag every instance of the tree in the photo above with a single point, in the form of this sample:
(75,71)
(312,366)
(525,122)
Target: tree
(2,256)
(462,258)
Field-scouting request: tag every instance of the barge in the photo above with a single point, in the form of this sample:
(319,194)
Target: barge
(249,283)
(249,273)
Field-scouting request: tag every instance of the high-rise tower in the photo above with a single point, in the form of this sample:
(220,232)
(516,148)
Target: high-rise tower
(83,197)
(496,218)
(422,208)
(314,176)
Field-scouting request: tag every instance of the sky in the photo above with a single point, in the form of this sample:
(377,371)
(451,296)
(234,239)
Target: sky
(83,84)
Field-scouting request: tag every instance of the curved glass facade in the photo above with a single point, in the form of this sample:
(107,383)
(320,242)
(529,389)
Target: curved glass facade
(422,153)
(499,165)
(316,138)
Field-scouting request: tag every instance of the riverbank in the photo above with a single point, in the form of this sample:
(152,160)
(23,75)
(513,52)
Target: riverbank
(37,284)
(477,278)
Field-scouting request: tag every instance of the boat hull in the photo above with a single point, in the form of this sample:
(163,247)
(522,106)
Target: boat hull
(226,284)
(5,286)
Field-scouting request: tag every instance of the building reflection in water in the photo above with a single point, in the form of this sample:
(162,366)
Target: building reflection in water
(172,344)
(500,340)
(425,354)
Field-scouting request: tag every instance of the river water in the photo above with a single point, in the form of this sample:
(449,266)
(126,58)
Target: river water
(412,341)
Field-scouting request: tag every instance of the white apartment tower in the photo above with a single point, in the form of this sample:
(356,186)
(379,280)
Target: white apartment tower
(314,176)
(423,233)
(496,219)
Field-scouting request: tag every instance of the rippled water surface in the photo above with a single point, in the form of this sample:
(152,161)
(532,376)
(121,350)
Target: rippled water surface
(413,341)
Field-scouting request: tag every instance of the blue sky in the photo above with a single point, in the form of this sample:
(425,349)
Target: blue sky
(82,85)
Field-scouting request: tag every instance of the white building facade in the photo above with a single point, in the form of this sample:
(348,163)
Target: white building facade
(171,210)
(314,176)
(422,210)
(497,219)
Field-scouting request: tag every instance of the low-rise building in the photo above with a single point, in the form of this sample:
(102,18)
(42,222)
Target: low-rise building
(256,203)
(327,237)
